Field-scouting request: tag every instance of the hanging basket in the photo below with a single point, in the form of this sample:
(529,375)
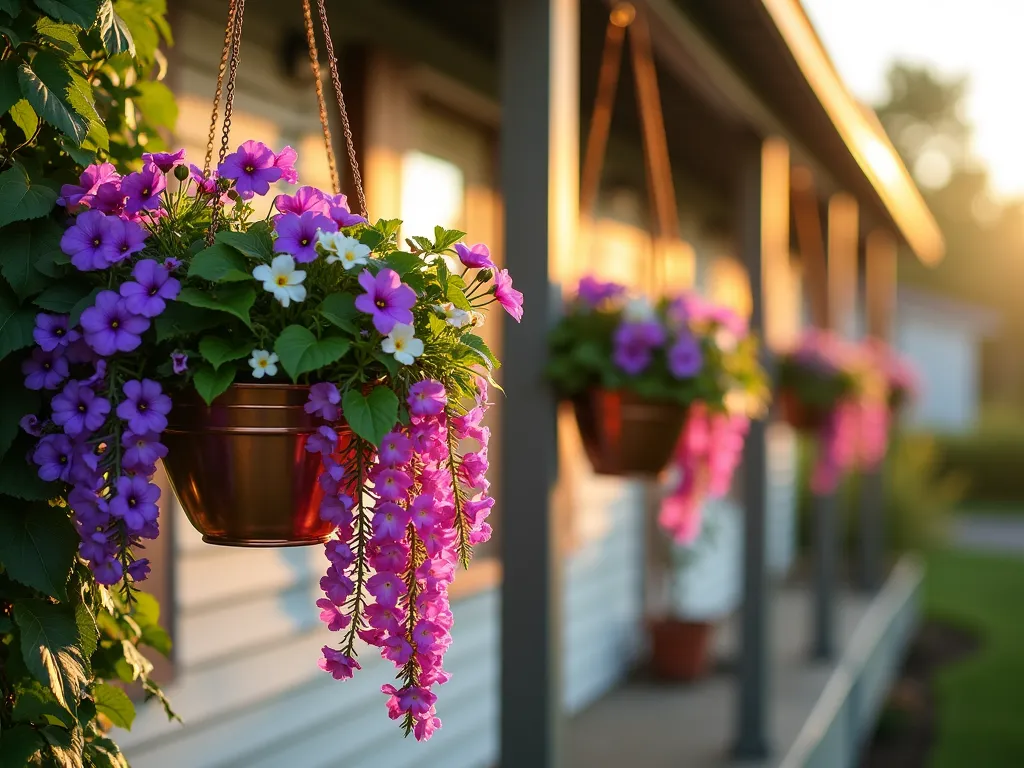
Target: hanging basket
(797,414)
(681,650)
(240,468)
(624,434)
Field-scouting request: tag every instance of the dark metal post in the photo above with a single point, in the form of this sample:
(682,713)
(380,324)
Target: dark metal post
(826,556)
(879,304)
(763,226)
(539,169)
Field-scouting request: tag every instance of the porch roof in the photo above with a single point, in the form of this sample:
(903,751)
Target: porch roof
(760,62)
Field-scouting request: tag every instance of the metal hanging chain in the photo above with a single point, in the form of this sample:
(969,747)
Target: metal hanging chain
(314,65)
(604,103)
(235,18)
(228,36)
(357,178)
(655,140)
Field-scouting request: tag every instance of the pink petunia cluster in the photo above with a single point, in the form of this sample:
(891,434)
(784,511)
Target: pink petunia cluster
(707,454)
(424,506)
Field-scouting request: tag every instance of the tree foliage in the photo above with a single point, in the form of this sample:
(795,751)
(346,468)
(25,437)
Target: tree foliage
(80,82)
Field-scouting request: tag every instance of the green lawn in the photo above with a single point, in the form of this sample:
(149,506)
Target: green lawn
(981,699)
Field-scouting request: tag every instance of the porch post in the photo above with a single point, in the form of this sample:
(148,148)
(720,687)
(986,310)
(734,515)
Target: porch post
(762,213)
(539,171)
(842,287)
(880,301)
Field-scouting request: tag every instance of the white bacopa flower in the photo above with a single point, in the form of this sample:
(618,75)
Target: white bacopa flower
(476,319)
(263,363)
(453,315)
(282,279)
(328,241)
(349,251)
(638,310)
(403,344)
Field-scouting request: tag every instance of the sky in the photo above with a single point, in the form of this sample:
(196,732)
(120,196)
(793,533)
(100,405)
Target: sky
(983,39)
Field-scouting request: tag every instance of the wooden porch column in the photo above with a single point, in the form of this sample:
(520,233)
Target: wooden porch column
(762,213)
(842,292)
(880,303)
(540,178)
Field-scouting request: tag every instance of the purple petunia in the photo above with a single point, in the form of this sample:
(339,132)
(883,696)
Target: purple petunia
(305,199)
(135,502)
(145,406)
(143,189)
(92,178)
(387,298)
(340,666)
(593,292)
(126,239)
(285,162)
(297,234)
(633,345)
(79,409)
(108,572)
(507,296)
(52,331)
(475,256)
(684,357)
(153,287)
(252,167)
(109,198)
(207,184)
(45,370)
(53,456)
(387,588)
(395,449)
(139,569)
(179,362)
(323,401)
(324,440)
(165,161)
(89,242)
(31,425)
(338,209)
(141,452)
(427,398)
(110,327)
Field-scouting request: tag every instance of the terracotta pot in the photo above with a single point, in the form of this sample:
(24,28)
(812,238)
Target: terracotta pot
(624,434)
(240,467)
(797,414)
(680,650)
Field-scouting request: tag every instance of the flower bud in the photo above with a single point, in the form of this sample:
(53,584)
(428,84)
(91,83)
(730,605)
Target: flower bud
(484,275)
(181,172)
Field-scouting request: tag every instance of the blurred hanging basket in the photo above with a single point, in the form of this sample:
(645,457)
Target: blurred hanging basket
(624,434)
(798,414)
(241,470)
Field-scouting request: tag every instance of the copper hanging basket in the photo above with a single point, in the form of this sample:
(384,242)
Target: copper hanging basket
(240,468)
(623,434)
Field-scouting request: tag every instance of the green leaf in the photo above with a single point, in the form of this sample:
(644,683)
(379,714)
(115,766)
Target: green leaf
(10,91)
(257,243)
(156,637)
(27,246)
(21,198)
(18,745)
(340,309)
(219,264)
(388,361)
(233,298)
(146,611)
(156,102)
(210,383)
(446,238)
(64,37)
(217,351)
(104,753)
(87,629)
(38,544)
(45,85)
(15,403)
(402,262)
(373,416)
(63,297)
(80,12)
(11,7)
(138,665)
(25,117)
(457,297)
(66,746)
(182,320)
(15,324)
(89,300)
(300,352)
(477,344)
(115,704)
(35,703)
(51,649)
(117,38)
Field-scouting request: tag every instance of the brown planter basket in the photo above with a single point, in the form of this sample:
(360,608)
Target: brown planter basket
(240,468)
(797,414)
(680,650)
(626,435)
